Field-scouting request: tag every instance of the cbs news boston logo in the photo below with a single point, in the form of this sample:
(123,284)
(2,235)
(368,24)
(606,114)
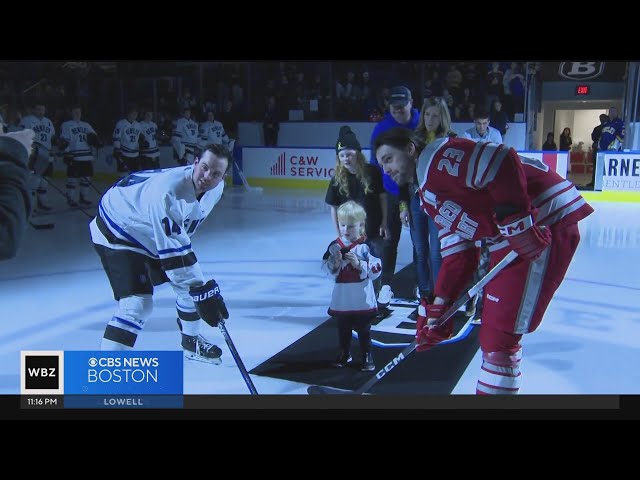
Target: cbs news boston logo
(105,378)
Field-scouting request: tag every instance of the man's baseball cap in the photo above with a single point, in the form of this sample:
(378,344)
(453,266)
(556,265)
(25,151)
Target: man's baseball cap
(399,96)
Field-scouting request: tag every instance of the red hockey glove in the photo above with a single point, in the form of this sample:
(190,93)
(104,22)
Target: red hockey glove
(525,237)
(426,336)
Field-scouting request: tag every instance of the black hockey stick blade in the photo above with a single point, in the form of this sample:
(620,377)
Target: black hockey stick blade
(320,390)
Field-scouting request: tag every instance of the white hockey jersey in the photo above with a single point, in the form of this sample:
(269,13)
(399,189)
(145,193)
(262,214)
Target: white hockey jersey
(353,293)
(185,135)
(43,128)
(126,137)
(155,212)
(212,132)
(149,131)
(76,134)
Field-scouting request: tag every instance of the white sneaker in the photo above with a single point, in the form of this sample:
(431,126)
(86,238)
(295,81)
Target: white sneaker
(385,295)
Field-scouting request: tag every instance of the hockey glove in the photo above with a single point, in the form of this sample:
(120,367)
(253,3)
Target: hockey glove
(427,336)
(525,237)
(209,303)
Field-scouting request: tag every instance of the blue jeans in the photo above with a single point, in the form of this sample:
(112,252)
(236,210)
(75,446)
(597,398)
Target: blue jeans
(424,235)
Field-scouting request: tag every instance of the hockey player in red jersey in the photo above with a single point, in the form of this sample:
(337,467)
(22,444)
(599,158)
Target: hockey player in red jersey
(487,191)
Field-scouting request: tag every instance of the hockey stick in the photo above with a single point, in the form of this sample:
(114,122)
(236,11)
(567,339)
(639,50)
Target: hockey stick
(244,180)
(451,311)
(236,357)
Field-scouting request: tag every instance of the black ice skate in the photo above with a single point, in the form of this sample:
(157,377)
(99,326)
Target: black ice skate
(198,348)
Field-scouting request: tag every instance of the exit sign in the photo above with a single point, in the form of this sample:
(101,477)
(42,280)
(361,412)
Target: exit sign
(583,90)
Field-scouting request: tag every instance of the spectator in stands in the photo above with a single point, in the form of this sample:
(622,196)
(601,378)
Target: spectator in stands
(550,144)
(565,140)
(186,101)
(481,131)
(498,118)
(517,86)
(494,85)
(271,123)
(453,80)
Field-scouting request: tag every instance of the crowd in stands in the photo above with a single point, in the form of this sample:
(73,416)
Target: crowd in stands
(280,91)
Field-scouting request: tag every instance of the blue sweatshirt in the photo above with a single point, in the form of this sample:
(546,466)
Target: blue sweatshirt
(387,123)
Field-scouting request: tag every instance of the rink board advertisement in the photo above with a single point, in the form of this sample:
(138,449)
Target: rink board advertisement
(621,171)
(102,379)
(314,167)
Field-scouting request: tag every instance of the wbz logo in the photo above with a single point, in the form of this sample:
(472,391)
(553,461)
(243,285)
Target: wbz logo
(41,372)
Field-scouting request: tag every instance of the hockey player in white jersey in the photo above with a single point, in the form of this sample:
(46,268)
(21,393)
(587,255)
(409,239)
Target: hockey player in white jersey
(212,131)
(149,151)
(76,139)
(44,133)
(184,138)
(142,235)
(126,142)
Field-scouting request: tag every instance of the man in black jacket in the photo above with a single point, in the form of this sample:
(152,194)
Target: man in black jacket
(595,136)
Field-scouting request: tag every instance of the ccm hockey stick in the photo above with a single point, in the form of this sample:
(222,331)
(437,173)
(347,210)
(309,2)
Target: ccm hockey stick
(319,390)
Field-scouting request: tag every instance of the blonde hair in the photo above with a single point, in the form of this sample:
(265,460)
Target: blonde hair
(444,129)
(341,176)
(352,212)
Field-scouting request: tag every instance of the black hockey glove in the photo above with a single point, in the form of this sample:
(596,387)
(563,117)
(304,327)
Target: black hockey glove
(209,303)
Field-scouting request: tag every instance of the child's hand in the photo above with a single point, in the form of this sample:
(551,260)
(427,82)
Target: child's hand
(352,259)
(336,259)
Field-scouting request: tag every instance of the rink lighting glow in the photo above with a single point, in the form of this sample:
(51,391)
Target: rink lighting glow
(123,375)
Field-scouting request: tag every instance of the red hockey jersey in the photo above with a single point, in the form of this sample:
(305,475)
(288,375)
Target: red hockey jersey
(460,184)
